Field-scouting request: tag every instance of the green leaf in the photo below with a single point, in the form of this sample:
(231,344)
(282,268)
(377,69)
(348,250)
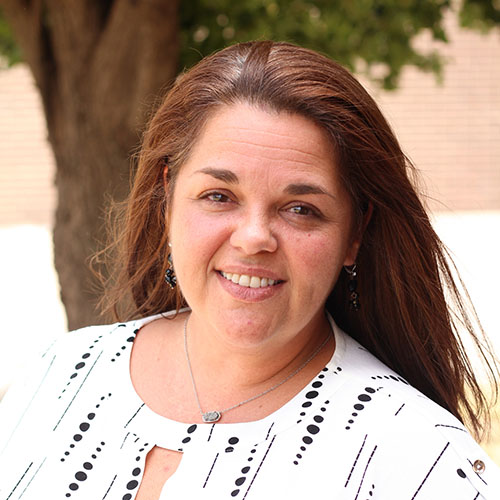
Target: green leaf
(378,32)
(482,15)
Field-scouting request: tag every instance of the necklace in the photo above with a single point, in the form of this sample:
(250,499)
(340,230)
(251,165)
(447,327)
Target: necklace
(215,415)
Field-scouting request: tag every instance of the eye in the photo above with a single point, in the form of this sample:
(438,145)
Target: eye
(304,210)
(216,197)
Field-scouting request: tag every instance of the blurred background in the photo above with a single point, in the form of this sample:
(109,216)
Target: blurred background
(79,79)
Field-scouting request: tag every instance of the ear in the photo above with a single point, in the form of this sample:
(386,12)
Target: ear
(165,175)
(166,188)
(352,251)
(367,217)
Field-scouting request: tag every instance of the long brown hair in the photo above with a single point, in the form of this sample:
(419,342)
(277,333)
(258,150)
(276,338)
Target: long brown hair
(404,270)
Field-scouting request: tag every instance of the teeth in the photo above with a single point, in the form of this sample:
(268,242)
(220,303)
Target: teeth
(248,281)
(254,282)
(244,280)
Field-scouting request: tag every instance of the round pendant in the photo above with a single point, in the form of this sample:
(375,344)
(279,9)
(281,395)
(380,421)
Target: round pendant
(211,416)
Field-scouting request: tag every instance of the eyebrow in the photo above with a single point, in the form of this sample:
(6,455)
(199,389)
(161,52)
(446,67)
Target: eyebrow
(299,189)
(221,174)
(230,177)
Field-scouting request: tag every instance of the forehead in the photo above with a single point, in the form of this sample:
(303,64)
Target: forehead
(265,141)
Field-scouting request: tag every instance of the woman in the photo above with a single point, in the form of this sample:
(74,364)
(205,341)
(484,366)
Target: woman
(274,200)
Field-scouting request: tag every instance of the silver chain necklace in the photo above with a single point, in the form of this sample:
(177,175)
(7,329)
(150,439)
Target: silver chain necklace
(215,415)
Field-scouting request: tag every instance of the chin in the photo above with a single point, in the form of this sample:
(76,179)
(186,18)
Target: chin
(247,328)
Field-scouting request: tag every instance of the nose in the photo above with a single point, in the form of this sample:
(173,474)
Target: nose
(253,234)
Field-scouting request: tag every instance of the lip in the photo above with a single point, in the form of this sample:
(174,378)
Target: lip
(247,294)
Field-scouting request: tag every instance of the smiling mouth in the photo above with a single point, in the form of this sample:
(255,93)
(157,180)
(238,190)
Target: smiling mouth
(249,281)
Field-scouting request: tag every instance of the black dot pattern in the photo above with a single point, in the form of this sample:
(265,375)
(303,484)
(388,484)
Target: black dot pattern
(77,368)
(189,431)
(396,378)
(242,477)
(363,399)
(86,467)
(312,428)
(82,428)
(133,480)
(231,442)
(315,385)
(124,347)
(313,393)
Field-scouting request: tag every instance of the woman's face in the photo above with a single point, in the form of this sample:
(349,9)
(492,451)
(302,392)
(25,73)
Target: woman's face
(260,225)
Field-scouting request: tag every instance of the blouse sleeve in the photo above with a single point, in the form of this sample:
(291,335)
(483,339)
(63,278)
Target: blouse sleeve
(434,459)
(25,413)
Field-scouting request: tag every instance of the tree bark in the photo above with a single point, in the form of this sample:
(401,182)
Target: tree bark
(98,65)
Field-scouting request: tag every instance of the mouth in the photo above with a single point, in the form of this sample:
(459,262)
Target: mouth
(249,281)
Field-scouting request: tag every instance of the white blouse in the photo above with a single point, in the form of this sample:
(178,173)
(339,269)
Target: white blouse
(77,429)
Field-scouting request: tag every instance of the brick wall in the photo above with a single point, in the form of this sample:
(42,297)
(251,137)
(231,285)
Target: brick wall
(452,131)
(27,194)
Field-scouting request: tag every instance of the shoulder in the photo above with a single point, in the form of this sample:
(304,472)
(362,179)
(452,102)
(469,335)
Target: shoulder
(86,341)
(78,350)
(58,372)
(411,444)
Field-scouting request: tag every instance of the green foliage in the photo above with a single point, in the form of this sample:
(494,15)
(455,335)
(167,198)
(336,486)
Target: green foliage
(9,50)
(480,14)
(373,34)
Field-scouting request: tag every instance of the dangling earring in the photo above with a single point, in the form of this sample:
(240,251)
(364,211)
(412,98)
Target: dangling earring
(170,276)
(352,286)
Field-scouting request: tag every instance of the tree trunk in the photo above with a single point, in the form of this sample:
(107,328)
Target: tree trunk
(98,65)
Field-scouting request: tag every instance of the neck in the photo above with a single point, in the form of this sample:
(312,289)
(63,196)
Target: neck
(226,374)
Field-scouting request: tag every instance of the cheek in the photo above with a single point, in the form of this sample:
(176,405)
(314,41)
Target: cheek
(195,239)
(319,258)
